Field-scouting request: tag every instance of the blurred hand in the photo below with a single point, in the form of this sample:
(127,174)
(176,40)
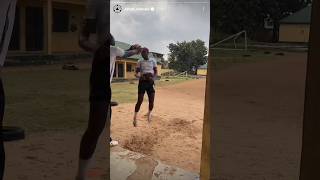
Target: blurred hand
(136,46)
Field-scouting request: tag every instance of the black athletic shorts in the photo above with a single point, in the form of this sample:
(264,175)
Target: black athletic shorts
(100,89)
(146,86)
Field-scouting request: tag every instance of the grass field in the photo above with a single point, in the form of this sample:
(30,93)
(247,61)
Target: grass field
(45,98)
(48,98)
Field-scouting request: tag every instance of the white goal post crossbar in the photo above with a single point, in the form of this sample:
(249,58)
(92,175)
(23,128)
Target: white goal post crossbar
(234,37)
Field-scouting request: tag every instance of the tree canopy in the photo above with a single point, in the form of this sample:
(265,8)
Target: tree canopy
(184,55)
(232,16)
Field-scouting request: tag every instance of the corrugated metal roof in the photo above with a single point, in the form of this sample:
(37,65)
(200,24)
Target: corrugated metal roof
(302,16)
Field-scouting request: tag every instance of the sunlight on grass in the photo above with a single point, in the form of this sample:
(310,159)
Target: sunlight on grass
(55,99)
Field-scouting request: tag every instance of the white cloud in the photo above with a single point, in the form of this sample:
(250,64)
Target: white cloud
(169,22)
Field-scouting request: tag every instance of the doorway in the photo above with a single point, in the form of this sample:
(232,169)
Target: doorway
(34,29)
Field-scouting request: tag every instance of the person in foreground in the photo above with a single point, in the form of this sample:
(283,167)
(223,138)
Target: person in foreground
(100,77)
(114,53)
(7,16)
(148,73)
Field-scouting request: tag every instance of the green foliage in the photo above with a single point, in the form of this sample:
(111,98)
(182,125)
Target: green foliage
(232,16)
(185,55)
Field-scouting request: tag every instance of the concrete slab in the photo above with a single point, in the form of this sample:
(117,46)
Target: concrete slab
(128,165)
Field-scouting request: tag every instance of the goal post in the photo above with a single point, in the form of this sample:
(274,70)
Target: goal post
(234,38)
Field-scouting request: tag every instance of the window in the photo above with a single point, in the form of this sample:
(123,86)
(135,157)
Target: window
(60,20)
(129,68)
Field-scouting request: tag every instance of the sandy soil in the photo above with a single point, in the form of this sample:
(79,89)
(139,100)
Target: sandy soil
(50,156)
(175,134)
(258,121)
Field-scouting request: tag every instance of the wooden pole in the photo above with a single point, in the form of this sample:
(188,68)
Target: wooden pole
(206,169)
(310,156)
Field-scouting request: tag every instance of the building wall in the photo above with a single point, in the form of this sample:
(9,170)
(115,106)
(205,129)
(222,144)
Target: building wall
(61,41)
(68,41)
(294,33)
(202,72)
(129,73)
(166,70)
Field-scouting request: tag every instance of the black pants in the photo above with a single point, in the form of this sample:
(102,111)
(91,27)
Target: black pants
(145,86)
(100,96)
(2,152)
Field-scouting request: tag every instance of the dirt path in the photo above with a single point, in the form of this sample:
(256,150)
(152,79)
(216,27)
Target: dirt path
(50,156)
(258,122)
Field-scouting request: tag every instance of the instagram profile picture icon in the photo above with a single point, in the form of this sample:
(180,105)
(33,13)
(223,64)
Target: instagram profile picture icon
(117,8)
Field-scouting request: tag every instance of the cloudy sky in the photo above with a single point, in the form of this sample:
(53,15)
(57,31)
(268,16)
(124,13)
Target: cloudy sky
(157,23)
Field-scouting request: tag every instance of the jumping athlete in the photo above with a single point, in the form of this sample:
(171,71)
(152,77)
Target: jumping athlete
(7,16)
(148,73)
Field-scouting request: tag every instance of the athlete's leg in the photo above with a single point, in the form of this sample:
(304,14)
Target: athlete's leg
(137,108)
(139,102)
(151,96)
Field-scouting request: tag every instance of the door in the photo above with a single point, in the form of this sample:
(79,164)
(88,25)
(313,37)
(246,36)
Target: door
(120,70)
(34,29)
(15,38)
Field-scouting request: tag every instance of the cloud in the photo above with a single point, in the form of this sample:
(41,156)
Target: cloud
(170,22)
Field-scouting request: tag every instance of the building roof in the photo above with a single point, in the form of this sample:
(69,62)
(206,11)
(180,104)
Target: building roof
(302,16)
(126,46)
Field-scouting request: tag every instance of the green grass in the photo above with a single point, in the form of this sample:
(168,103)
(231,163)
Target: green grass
(48,98)
(55,99)
(126,92)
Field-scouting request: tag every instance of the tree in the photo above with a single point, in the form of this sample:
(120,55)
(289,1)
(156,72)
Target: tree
(232,16)
(184,55)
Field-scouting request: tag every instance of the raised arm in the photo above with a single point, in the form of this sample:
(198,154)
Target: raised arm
(133,50)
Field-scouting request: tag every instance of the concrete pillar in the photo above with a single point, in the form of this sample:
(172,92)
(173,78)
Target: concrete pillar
(49,26)
(116,70)
(22,26)
(310,157)
(125,70)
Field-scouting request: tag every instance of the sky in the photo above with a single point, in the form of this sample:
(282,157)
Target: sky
(155,24)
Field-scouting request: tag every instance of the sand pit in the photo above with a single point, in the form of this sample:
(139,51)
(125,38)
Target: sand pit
(174,135)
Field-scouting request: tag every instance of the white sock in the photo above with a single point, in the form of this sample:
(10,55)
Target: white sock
(83,169)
